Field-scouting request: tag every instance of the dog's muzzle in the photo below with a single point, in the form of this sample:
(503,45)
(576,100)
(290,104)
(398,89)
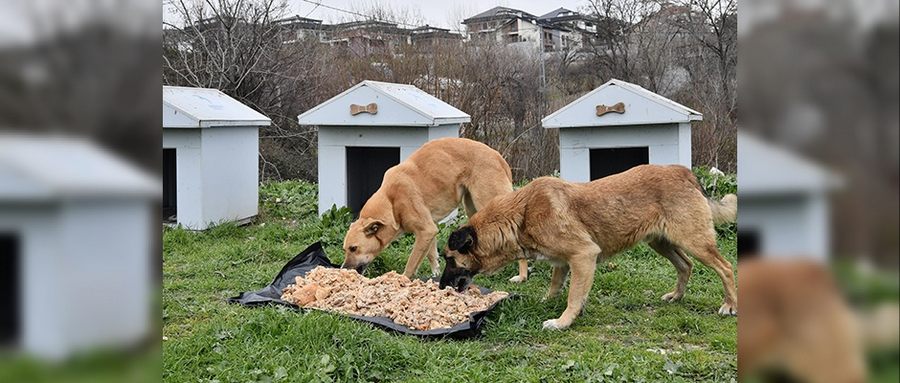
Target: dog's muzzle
(360,268)
(459,279)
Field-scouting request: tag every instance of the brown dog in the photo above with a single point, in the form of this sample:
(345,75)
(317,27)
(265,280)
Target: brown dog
(795,321)
(574,224)
(421,191)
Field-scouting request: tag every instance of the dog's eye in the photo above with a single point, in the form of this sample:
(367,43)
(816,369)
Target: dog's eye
(353,249)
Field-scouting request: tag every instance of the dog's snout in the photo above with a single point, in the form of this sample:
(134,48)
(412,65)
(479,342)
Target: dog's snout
(462,283)
(358,267)
(458,282)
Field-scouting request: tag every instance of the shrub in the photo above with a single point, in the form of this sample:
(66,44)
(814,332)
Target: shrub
(715,185)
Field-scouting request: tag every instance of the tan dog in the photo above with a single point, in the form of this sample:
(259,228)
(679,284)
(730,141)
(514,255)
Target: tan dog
(796,322)
(574,224)
(421,191)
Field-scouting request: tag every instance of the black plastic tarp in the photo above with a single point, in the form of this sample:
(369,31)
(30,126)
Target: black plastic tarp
(314,256)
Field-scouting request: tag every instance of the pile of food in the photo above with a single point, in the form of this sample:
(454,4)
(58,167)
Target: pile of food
(416,304)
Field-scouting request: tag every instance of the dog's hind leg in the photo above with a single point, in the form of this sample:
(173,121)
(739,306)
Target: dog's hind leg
(700,241)
(468,204)
(683,266)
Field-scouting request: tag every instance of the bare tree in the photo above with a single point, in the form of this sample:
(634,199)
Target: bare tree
(244,48)
(712,25)
(612,46)
(85,72)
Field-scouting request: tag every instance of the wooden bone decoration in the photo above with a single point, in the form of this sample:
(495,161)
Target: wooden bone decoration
(357,109)
(604,109)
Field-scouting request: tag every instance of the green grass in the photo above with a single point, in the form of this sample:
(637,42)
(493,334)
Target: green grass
(99,366)
(626,334)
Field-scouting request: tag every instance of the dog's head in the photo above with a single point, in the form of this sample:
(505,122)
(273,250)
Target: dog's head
(462,263)
(364,240)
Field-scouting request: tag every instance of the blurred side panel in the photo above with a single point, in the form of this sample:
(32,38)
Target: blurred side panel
(79,190)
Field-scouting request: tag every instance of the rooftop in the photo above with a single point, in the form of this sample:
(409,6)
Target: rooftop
(642,107)
(767,169)
(205,107)
(559,12)
(403,105)
(36,168)
(499,13)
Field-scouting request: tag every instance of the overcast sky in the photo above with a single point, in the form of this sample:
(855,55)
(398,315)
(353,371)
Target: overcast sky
(440,13)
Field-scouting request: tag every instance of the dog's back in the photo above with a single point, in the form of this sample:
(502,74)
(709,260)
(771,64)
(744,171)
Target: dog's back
(439,175)
(619,210)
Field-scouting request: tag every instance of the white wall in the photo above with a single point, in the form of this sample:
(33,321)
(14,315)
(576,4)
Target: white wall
(217,174)
(333,141)
(105,287)
(189,172)
(668,144)
(85,283)
(230,174)
(788,226)
(529,32)
(443,131)
(38,229)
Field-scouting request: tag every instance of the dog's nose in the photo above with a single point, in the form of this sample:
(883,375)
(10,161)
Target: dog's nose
(462,283)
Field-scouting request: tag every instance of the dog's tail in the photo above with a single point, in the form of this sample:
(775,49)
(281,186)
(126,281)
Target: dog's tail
(724,210)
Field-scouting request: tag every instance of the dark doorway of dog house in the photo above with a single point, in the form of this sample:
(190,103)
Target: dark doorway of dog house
(365,170)
(170,200)
(609,161)
(748,245)
(10,309)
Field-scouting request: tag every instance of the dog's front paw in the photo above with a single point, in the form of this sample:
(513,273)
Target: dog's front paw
(727,310)
(553,324)
(517,279)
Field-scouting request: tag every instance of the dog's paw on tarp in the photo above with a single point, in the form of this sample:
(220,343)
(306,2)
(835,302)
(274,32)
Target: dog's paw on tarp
(314,256)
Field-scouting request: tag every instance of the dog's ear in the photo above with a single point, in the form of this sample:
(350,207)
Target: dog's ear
(373,228)
(462,240)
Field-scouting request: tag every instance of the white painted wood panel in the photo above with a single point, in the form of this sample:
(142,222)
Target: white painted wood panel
(642,107)
(788,226)
(230,174)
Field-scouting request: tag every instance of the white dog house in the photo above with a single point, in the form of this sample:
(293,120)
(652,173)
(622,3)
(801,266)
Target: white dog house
(369,128)
(784,208)
(618,126)
(76,229)
(210,158)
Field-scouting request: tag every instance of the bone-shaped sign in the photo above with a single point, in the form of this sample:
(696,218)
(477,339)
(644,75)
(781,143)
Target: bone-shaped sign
(357,109)
(619,107)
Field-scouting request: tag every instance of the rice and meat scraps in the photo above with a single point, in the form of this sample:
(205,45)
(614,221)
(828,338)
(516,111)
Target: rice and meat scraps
(416,304)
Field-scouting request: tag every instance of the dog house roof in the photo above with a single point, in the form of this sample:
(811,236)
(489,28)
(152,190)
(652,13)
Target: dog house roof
(641,107)
(765,169)
(45,168)
(396,105)
(203,108)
